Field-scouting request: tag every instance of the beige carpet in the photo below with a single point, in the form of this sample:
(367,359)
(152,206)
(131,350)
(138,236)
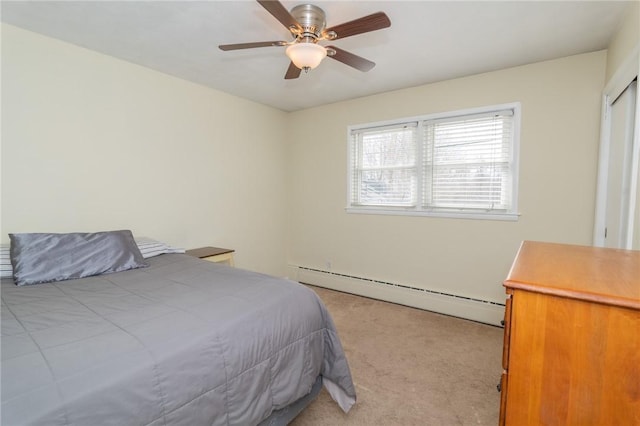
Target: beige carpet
(411,367)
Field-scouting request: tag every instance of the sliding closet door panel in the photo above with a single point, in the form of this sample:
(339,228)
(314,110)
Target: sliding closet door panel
(619,177)
(636,222)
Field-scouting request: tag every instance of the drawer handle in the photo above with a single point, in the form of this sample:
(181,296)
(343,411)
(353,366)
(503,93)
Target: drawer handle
(502,322)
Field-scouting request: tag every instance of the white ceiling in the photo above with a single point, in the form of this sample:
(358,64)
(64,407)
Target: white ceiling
(428,41)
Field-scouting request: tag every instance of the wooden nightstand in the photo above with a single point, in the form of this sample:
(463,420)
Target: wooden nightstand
(213,254)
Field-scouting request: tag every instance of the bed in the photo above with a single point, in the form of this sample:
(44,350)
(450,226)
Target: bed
(181,341)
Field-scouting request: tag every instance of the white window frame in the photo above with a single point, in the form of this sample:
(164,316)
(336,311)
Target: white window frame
(419,210)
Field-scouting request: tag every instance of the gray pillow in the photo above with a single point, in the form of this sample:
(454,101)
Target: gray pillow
(42,257)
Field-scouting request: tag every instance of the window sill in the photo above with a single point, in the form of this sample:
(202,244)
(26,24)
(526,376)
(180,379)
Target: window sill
(511,217)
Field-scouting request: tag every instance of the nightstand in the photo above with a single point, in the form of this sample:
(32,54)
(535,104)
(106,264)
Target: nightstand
(213,254)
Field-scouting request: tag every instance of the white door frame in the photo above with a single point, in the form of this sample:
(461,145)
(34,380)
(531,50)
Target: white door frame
(629,70)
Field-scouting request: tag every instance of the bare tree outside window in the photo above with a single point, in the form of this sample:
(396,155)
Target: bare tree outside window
(387,172)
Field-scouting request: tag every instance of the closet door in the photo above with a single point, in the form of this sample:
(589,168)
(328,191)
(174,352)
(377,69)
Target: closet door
(620,200)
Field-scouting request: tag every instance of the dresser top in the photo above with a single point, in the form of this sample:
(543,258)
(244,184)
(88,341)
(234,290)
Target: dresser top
(603,275)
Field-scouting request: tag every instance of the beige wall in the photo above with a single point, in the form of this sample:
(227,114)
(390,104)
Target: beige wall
(91,143)
(625,40)
(558,161)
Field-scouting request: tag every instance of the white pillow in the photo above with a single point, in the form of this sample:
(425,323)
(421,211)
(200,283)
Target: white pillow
(6,271)
(150,248)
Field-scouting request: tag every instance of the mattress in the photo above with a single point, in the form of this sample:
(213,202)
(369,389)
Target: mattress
(182,342)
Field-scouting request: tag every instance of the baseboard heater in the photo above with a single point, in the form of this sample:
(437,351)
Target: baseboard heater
(484,311)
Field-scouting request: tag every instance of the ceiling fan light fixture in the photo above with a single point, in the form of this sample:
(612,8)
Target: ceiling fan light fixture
(306,55)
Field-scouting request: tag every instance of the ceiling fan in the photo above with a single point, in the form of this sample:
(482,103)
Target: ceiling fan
(307,23)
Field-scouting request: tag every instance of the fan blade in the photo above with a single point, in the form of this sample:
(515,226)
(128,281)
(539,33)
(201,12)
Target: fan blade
(352,60)
(251,45)
(275,8)
(373,22)
(292,72)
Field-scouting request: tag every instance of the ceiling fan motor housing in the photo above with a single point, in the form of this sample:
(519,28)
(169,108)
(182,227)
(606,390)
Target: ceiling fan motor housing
(311,18)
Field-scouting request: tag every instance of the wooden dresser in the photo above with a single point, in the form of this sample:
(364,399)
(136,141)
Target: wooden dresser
(572,337)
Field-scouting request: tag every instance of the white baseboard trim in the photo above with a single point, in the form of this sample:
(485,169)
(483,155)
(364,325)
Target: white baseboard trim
(463,307)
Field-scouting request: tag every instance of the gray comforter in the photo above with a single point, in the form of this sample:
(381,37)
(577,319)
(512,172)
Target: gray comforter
(183,342)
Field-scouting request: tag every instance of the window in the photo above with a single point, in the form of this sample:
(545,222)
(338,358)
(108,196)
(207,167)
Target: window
(462,163)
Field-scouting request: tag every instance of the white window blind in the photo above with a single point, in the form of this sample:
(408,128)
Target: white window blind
(385,166)
(468,162)
(464,162)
